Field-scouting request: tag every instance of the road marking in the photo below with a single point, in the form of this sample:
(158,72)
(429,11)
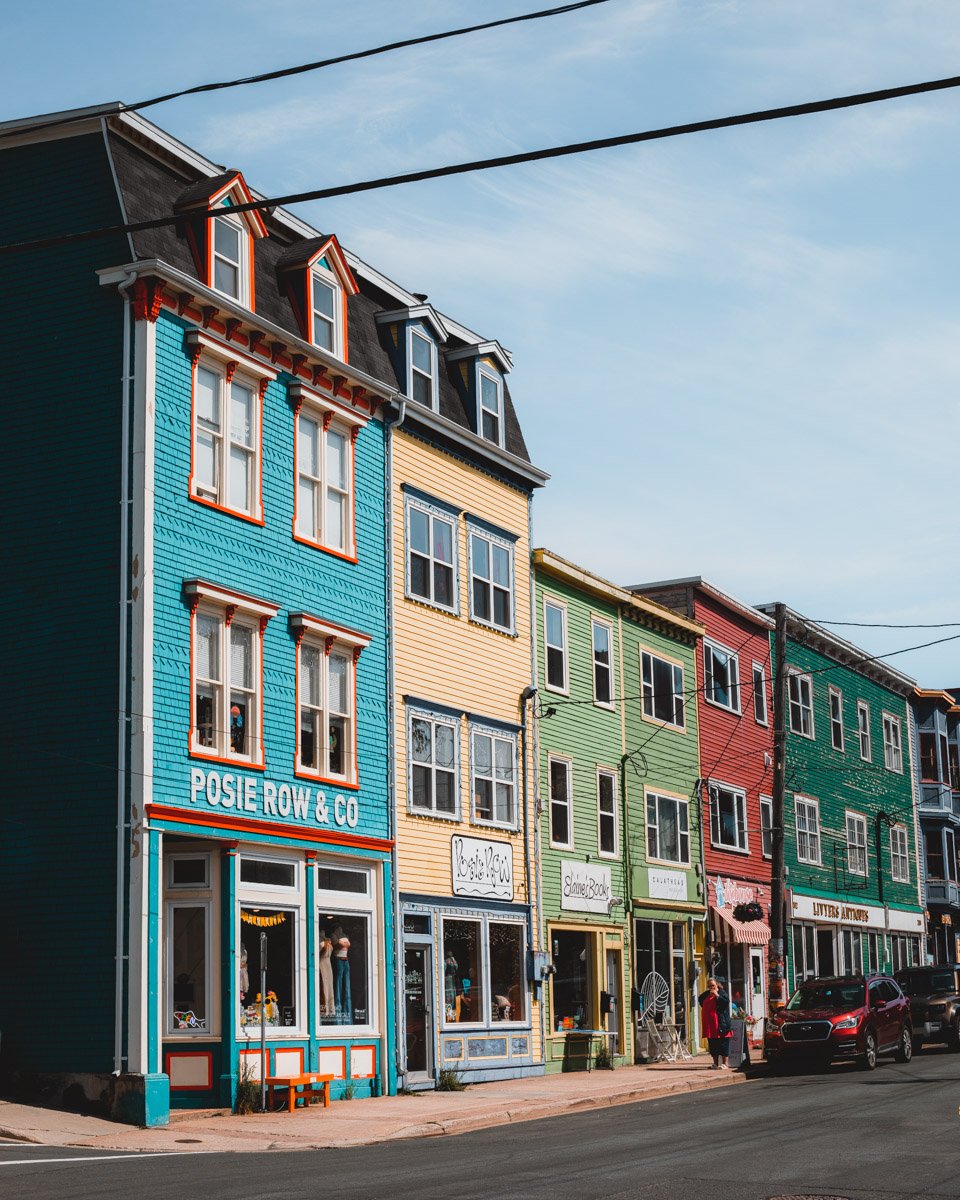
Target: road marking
(136,1155)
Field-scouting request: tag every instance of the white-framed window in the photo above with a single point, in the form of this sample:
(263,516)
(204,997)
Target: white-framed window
(721,677)
(230,257)
(808,830)
(766,826)
(432,555)
(493,772)
(856,843)
(728,817)
(863,730)
(327,702)
(422,357)
(560,772)
(227,668)
(892,746)
(601,635)
(800,690)
(836,718)
(226,466)
(491,579)
(270,902)
(484,971)
(326,311)
(324,505)
(434,763)
(189,872)
(759,694)
(490,388)
(668,829)
(662,688)
(189,1000)
(555,639)
(608,841)
(349,961)
(899,854)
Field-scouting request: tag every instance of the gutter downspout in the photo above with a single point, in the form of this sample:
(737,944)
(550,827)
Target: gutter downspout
(541,928)
(120,957)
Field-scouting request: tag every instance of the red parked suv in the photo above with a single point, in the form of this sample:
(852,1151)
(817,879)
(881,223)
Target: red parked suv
(854,1017)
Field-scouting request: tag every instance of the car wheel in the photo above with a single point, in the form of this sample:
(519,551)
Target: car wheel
(905,1047)
(868,1059)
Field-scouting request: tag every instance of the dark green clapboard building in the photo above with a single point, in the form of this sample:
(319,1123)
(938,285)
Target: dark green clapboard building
(853,893)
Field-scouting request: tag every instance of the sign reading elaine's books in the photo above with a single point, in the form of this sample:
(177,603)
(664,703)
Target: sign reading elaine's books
(481,868)
(585,887)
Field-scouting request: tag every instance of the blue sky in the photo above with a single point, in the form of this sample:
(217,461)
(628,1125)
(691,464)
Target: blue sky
(737,353)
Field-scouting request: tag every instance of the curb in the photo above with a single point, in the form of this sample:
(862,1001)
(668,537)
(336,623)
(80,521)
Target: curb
(13,1136)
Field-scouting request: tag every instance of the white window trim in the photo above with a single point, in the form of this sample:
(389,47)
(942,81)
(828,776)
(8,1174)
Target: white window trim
(608,705)
(649,717)
(568,764)
(766,802)
(434,512)
(491,731)
(889,721)
(733,662)
(549,601)
(476,531)
(611,774)
(835,692)
(187,887)
(755,669)
(212,1029)
(901,830)
(860,820)
(243,266)
(307,404)
(326,639)
(352,904)
(293,906)
(435,718)
(792,673)
(684,800)
(413,331)
(815,805)
(331,280)
(486,1021)
(486,373)
(864,707)
(713,788)
(228,606)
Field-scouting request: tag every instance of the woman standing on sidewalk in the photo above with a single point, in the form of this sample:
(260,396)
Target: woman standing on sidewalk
(715,1023)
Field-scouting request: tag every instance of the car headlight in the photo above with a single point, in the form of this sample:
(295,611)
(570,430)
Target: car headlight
(847,1023)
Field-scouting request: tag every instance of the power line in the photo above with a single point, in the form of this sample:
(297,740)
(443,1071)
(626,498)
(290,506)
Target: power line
(303,68)
(507,160)
(888,624)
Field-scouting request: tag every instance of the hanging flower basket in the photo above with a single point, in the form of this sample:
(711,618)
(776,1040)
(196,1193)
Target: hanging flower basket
(748,912)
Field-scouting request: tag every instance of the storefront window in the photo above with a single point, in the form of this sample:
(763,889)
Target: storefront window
(462,990)
(343,965)
(804,953)
(507,982)
(573,982)
(188,966)
(279,1006)
(654,956)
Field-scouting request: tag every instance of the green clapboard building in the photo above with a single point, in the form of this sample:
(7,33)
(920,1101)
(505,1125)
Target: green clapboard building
(853,888)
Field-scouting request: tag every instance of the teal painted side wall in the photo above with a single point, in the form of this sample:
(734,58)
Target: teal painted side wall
(60,427)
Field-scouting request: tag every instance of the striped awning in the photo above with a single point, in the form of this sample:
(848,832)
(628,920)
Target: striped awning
(753,933)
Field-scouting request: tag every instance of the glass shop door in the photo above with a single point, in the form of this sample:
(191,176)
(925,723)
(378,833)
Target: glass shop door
(418,976)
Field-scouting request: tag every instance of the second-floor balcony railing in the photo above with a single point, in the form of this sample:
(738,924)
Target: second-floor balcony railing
(942,891)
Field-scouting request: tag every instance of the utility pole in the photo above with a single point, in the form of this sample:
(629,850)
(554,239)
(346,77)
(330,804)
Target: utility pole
(777,962)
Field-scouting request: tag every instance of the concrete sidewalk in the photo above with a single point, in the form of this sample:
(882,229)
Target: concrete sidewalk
(381,1119)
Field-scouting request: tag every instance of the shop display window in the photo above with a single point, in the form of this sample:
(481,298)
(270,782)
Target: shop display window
(655,956)
(343,967)
(188,966)
(572,985)
(463,999)
(507,980)
(278,1009)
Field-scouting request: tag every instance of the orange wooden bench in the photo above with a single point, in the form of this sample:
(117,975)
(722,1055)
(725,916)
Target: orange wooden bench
(308,1082)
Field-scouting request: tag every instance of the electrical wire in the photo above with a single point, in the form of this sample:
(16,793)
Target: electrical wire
(506,160)
(887,624)
(303,68)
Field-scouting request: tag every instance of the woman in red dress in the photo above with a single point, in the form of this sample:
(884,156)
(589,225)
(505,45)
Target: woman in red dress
(715,1023)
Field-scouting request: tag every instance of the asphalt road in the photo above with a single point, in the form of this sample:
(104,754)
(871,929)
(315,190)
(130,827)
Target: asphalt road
(887,1135)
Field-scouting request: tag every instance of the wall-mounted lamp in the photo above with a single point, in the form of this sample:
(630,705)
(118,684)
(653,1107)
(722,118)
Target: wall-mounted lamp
(614,902)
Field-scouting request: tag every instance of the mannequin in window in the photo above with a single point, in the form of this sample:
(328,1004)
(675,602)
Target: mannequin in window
(450,968)
(237,735)
(341,977)
(324,954)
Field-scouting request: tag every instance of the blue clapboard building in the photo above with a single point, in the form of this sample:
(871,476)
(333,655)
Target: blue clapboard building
(198,750)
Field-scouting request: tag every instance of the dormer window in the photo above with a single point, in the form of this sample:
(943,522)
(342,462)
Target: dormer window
(229,257)
(326,305)
(317,280)
(423,358)
(491,407)
(222,243)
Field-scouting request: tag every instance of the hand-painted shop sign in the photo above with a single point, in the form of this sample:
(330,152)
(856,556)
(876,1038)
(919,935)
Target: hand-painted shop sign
(481,868)
(585,887)
(275,801)
(730,892)
(666,885)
